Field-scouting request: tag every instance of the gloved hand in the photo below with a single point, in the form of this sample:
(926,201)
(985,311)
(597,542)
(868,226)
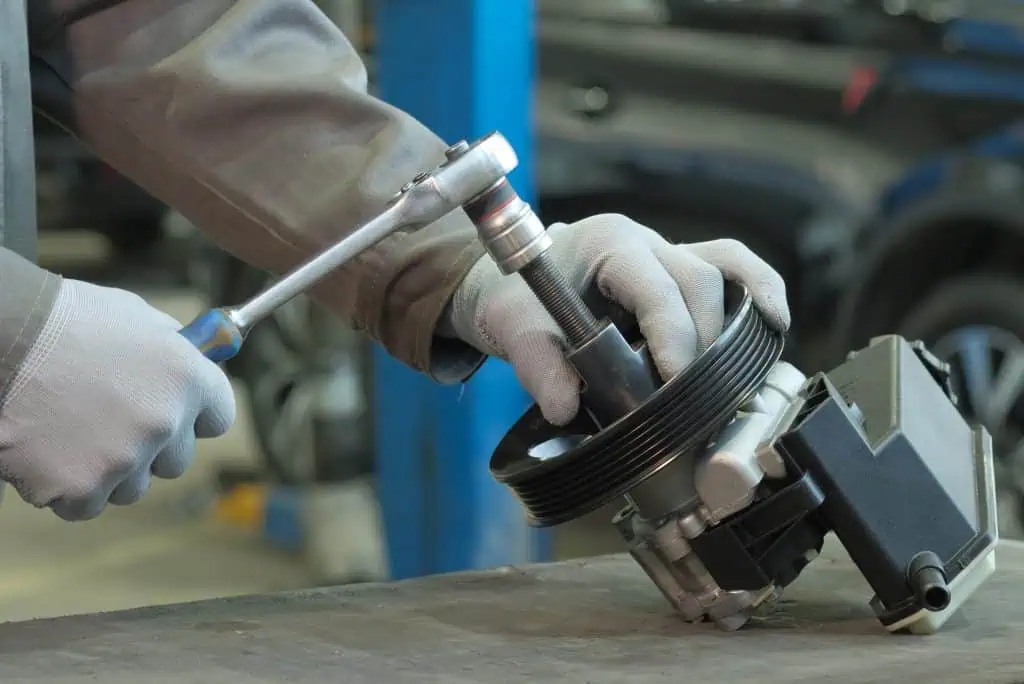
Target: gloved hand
(109,395)
(676,293)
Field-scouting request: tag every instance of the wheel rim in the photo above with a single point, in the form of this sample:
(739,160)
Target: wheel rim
(987,365)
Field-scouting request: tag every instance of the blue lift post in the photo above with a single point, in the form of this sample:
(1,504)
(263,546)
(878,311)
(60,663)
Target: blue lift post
(464,68)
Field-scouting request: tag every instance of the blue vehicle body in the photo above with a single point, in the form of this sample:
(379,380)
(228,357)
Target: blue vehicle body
(983,67)
(930,176)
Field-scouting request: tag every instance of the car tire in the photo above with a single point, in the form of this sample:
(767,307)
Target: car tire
(306,380)
(305,375)
(986,299)
(980,316)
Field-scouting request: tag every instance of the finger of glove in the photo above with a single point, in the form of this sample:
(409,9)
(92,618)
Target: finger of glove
(703,288)
(79,509)
(738,263)
(636,280)
(175,458)
(133,488)
(87,503)
(538,358)
(217,405)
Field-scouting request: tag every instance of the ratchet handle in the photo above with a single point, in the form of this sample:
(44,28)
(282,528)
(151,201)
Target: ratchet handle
(215,335)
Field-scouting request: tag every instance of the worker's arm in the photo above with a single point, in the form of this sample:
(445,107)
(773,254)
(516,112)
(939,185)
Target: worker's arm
(252,119)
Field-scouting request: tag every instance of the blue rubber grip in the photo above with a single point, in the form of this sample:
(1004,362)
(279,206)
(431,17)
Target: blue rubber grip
(214,335)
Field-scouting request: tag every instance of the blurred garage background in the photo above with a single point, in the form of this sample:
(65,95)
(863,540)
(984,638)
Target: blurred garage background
(871,150)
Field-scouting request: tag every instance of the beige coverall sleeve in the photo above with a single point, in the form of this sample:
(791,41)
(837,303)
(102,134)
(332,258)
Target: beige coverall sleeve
(251,117)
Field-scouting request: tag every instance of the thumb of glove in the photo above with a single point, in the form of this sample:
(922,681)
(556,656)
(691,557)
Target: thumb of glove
(539,362)
(501,317)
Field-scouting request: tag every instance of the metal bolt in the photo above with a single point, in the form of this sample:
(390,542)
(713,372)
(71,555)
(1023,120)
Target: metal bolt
(418,178)
(456,150)
(561,300)
(691,525)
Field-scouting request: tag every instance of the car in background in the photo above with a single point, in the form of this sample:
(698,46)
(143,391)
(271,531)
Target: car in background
(778,122)
(704,131)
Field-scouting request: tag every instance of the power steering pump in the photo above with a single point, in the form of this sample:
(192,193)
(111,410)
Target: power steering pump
(734,471)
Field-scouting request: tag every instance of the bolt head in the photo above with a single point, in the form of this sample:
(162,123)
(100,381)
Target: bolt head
(456,150)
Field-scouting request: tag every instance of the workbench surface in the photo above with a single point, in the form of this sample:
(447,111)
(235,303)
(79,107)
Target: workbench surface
(595,622)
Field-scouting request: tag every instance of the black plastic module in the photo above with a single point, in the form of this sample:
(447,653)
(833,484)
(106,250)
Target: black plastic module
(875,434)
(769,543)
(875,455)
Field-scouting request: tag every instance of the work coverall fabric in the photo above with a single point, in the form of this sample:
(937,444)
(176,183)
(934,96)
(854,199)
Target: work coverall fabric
(252,118)
(27,293)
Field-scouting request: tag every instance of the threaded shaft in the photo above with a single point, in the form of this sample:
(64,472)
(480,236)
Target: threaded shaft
(560,299)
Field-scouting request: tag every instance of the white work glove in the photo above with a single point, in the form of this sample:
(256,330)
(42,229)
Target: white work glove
(676,293)
(109,396)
